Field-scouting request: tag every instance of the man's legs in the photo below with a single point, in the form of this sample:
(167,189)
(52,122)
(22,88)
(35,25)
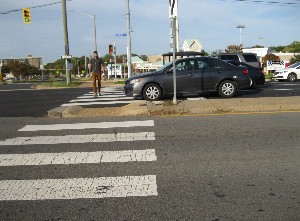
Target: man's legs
(99,83)
(94,82)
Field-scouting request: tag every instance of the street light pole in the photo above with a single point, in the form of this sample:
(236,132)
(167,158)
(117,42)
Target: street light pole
(65,26)
(128,39)
(240,27)
(95,35)
(94,20)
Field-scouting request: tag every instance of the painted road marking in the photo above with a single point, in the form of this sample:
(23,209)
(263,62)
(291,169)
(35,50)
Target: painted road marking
(38,159)
(70,139)
(92,103)
(80,126)
(283,89)
(78,188)
(101,99)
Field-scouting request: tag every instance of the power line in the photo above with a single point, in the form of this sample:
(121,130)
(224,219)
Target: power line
(39,6)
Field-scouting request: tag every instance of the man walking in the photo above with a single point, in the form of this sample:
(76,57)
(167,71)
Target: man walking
(96,66)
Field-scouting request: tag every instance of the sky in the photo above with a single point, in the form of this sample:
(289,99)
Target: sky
(213,22)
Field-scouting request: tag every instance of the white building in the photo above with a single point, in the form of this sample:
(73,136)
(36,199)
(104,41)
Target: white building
(192,45)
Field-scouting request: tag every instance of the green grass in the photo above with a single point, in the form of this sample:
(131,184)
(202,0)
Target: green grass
(268,76)
(61,84)
(120,82)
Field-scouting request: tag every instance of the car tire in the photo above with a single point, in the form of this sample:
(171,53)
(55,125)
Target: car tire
(152,92)
(227,89)
(292,77)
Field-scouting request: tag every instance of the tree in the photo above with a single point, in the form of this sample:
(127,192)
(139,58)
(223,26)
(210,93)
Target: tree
(22,69)
(216,52)
(257,46)
(144,57)
(269,57)
(294,47)
(234,48)
(295,59)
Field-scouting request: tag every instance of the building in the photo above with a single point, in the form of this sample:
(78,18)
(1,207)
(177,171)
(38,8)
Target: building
(33,61)
(192,45)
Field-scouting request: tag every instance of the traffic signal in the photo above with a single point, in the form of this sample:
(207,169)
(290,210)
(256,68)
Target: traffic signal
(110,49)
(26,15)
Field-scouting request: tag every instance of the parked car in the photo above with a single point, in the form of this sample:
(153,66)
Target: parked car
(256,74)
(193,76)
(291,73)
(247,58)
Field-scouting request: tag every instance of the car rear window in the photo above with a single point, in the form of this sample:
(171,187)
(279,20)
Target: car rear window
(231,57)
(250,57)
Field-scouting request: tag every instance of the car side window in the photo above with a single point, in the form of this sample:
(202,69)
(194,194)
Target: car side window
(201,65)
(185,65)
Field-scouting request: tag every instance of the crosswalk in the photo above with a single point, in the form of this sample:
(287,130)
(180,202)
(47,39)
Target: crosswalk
(85,187)
(110,96)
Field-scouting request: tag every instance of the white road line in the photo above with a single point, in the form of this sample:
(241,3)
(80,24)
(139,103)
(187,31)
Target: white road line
(80,126)
(69,139)
(78,188)
(102,98)
(93,103)
(102,95)
(38,159)
(283,89)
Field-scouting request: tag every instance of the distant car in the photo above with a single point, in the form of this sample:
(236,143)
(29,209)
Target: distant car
(256,74)
(247,58)
(291,73)
(194,75)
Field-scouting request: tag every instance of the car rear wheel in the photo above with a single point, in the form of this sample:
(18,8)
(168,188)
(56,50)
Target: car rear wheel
(292,77)
(152,92)
(227,89)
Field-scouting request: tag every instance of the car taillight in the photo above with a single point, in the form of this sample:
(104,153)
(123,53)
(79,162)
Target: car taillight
(246,72)
(261,71)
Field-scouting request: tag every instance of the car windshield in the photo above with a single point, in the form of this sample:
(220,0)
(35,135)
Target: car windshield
(163,67)
(294,65)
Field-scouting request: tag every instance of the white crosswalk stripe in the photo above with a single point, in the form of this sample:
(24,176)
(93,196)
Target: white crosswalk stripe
(79,188)
(109,96)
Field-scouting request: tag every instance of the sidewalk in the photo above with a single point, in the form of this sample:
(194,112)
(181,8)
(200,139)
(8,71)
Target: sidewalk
(184,107)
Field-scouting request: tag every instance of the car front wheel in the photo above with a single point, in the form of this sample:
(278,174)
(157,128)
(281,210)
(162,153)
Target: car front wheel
(227,89)
(292,77)
(152,92)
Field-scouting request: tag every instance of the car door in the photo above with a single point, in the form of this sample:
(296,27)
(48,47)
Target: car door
(185,77)
(208,73)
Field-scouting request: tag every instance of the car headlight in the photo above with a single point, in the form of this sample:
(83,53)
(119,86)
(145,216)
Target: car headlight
(133,81)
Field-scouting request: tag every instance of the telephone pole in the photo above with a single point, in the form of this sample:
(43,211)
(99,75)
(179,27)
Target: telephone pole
(65,27)
(128,39)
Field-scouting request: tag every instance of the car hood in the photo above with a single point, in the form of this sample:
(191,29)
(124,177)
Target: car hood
(145,74)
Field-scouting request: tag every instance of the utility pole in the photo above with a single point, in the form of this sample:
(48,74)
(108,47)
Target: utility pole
(65,26)
(174,59)
(128,39)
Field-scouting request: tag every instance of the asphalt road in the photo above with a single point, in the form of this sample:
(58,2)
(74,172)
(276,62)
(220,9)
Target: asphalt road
(19,100)
(214,168)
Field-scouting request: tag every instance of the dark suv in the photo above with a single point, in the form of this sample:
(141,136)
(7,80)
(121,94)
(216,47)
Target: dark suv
(247,58)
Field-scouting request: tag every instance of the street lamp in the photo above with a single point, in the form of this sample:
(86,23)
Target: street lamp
(240,27)
(94,18)
(262,40)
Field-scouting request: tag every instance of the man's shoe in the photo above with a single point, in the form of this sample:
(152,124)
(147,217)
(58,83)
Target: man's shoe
(95,95)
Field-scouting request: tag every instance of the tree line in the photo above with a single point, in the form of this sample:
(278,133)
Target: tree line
(24,69)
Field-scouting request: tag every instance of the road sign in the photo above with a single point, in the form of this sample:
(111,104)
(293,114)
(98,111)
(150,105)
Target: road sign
(66,57)
(121,35)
